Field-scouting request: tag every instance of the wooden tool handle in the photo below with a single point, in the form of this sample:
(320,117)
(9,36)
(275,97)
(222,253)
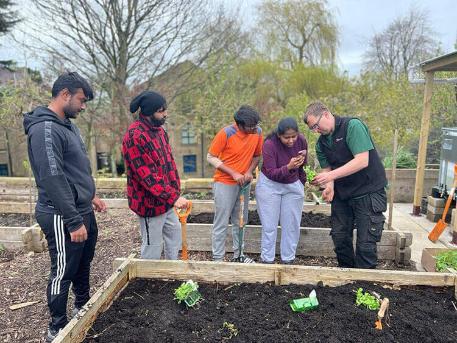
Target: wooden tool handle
(384,307)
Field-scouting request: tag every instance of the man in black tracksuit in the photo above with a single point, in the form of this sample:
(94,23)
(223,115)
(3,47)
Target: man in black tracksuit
(354,181)
(66,194)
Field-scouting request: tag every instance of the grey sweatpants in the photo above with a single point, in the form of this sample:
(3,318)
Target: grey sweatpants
(284,203)
(153,229)
(227,208)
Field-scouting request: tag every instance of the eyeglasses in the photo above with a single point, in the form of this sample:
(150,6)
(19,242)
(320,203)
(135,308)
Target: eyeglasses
(162,109)
(316,126)
(251,128)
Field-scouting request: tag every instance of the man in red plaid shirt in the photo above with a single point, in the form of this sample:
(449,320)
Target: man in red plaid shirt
(153,185)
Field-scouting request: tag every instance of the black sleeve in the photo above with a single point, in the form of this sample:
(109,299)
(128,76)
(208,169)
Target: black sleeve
(47,146)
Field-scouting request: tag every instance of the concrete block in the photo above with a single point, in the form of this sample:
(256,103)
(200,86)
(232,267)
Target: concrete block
(435,202)
(435,217)
(435,210)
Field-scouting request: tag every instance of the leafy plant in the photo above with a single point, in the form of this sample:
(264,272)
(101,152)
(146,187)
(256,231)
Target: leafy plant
(187,292)
(366,299)
(310,174)
(405,159)
(446,259)
(231,330)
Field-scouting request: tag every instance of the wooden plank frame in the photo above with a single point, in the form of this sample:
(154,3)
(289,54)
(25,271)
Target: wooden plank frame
(226,272)
(394,245)
(76,329)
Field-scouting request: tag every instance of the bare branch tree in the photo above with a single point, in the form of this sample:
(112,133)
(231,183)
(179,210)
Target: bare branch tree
(120,44)
(404,43)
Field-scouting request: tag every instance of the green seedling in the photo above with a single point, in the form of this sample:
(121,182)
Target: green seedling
(310,174)
(366,299)
(188,292)
(446,259)
(230,329)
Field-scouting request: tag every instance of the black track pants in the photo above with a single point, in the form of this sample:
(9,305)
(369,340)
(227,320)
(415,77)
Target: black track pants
(70,263)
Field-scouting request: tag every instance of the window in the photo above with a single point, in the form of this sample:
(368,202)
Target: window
(189,163)
(3,170)
(188,134)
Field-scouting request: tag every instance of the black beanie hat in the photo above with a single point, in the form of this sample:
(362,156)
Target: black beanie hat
(149,102)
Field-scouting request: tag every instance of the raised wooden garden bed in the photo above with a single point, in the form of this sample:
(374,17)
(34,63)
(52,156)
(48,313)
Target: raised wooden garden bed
(394,245)
(27,238)
(198,206)
(127,270)
(428,259)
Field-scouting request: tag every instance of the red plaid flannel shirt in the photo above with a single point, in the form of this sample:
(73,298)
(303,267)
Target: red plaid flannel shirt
(153,184)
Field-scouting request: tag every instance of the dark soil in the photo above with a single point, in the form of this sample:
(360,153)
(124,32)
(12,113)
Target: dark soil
(146,312)
(16,219)
(307,219)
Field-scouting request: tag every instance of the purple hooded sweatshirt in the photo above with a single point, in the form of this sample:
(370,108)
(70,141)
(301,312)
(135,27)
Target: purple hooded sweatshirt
(276,156)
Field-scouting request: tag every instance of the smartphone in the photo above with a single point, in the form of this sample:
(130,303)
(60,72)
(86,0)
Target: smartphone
(302,153)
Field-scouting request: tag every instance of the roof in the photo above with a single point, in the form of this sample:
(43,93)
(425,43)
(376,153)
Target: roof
(446,62)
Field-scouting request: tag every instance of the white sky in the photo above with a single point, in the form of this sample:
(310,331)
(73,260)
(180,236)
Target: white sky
(358,20)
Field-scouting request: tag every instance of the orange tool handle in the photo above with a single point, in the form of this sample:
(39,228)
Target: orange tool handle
(451,194)
(183,214)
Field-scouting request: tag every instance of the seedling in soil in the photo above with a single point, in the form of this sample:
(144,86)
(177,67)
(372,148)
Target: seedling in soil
(310,174)
(366,299)
(446,259)
(188,292)
(228,330)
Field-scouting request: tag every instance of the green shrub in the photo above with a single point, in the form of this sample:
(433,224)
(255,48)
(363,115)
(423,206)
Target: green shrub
(405,160)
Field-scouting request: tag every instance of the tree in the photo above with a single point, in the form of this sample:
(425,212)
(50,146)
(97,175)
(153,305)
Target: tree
(403,44)
(298,32)
(17,97)
(8,17)
(119,44)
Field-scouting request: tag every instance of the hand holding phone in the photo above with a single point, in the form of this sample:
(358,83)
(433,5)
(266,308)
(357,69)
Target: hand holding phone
(302,153)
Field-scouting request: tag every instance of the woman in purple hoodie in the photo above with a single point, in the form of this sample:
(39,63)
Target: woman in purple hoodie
(280,189)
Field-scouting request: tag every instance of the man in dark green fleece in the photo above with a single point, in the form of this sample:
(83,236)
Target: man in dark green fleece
(354,181)
(66,194)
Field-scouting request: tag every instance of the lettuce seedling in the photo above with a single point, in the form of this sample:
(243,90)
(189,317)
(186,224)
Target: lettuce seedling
(310,174)
(366,299)
(188,292)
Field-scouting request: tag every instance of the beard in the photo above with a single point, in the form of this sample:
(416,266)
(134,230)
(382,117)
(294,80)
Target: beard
(70,112)
(157,122)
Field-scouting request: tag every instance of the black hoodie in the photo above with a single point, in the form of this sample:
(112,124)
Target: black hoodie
(60,165)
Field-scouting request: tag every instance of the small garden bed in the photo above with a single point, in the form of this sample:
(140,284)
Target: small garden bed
(147,312)
(307,220)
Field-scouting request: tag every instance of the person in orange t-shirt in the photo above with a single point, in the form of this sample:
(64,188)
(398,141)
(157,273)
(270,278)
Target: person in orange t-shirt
(234,152)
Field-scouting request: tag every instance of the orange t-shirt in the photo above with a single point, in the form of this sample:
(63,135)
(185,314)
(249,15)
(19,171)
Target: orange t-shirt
(236,149)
